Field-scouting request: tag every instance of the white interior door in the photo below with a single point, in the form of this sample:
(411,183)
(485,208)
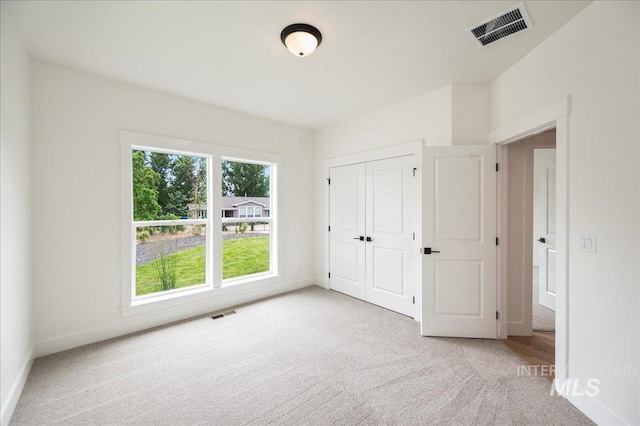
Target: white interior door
(547,241)
(347,230)
(392,209)
(459,227)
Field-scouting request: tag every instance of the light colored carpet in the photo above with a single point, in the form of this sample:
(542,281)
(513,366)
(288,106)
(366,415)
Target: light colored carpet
(312,356)
(544,319)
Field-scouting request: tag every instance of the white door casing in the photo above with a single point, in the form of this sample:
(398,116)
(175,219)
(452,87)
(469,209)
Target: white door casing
(547,241)
(459,221)
(391,216)
(555,115)
(347,225)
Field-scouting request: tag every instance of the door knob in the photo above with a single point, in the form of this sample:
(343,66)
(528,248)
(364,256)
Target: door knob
(427,250)
(361,238)
(369,239)
(542,240)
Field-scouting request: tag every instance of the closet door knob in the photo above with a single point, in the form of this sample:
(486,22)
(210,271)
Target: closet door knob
(369,239)
(361,238)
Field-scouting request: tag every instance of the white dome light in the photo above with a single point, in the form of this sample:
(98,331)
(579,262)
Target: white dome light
(301,39)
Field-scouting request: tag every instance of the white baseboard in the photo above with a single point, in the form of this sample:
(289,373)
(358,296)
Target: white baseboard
(597,412)
(138,323)
(16,390)
(321,282)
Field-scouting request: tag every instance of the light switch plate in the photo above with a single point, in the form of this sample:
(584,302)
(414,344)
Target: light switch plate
(587,243)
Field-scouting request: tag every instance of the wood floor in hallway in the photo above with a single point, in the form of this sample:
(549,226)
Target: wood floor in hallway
(539,349)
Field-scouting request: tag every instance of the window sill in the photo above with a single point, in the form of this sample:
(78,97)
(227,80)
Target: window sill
(199,296)
(232,282)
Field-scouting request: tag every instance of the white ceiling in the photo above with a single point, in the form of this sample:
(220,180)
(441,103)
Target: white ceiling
(373,54)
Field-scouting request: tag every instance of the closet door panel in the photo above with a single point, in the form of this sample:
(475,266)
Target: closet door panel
(347,222)
(391,211)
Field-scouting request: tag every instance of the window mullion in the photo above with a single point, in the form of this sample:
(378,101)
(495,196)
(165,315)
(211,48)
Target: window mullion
(215,205)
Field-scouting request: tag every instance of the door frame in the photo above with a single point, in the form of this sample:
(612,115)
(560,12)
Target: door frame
(555,115)
(521,326)
(401,150)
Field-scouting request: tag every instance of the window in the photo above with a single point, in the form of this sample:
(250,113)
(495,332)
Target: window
(249,211)
(247,247)
(173,243)
(169,195)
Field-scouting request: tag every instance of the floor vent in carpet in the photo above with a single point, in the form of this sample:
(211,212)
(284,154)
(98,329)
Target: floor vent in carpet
(224,314)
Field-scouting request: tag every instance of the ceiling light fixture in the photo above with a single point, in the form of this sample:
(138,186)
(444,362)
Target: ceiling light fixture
(301,39)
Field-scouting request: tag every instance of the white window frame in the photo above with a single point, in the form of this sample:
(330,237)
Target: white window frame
(215,286)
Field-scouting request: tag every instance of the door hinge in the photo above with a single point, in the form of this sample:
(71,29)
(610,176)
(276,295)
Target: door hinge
(329,274)
(329,228)
(497,167)
(414,236)
(328,181)
(497,315)
(414,171)
(414,300)
(497,241)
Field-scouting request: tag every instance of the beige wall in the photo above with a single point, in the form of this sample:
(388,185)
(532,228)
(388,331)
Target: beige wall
(15,225)
(76,175)
(599,70)
(470,114)
(520,209)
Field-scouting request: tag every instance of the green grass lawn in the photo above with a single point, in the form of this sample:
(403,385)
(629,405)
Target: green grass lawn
(243,256)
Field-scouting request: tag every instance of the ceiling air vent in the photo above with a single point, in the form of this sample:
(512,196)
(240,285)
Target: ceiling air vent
(502,25)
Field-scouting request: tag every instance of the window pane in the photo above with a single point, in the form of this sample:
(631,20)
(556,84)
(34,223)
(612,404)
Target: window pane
(168,186)
(169,257)
(246,252)
(246,246)
(245,189)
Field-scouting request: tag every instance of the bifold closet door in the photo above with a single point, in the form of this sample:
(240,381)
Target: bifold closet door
(391,212)
(347,226)
(373,212)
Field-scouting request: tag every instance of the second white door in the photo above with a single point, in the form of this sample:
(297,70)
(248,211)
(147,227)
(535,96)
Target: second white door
(547,240)
(383,196)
